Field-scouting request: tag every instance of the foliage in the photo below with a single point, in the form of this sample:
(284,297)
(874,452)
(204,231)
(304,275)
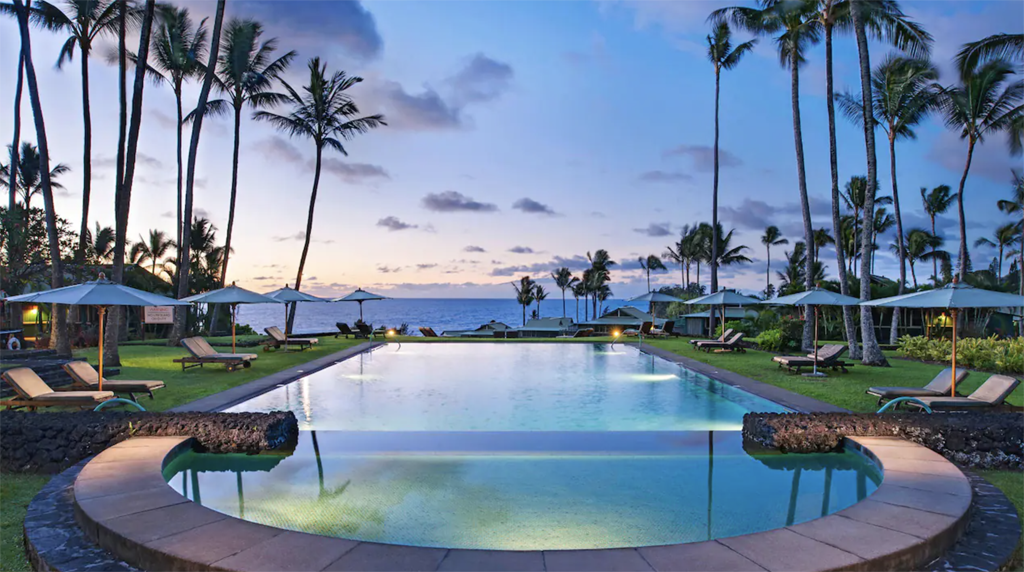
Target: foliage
(988,354)
(25,247)
(748,327)
(771,341)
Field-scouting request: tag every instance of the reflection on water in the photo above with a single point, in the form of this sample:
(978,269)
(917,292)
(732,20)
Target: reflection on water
(677,487)
(510,387)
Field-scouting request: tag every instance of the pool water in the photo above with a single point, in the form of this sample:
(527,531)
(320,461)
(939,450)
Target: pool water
(525,491)
(510,387)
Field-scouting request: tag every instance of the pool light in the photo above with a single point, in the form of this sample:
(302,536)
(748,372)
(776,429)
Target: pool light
(392,334)
(615,337)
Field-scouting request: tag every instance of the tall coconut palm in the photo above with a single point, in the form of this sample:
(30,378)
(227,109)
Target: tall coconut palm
(600,265)
(798,27)
(525,290)
(327,114)
(579,289)
(772,237)
(246,74)
(564,280)
(178,331)
(987,100)
(12,183)
(936,202)
(28,175)
(855,196)
(154,247)
(1008,47)
(651,263)
(821,239)
(60,339)
(723,56)
(683,253)
(100,244)
(539,294)
(882,223)
(1003,238)
(1015,205)
(920,245)
(904,93)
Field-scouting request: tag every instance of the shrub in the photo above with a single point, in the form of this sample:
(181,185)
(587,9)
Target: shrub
(745,326)
(989,354)
(244,330)
(771,341)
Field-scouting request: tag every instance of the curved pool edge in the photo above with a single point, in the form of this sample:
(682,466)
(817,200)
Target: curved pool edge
(124,505)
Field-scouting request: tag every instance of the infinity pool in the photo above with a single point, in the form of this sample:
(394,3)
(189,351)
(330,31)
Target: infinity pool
(510,387)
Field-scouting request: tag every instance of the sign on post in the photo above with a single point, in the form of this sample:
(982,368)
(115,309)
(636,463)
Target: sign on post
(158,314)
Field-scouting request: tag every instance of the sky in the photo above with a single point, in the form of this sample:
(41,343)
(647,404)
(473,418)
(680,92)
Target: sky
(521,135)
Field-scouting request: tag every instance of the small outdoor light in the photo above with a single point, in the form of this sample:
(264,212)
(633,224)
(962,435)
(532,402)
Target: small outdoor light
(615,338)
(393,334)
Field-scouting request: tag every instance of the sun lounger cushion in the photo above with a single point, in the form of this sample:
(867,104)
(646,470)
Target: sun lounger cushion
(73,397)
(941,385)
(725,336)
(204,350)
(84,374)
(718,344)
(993,392)
(27,383)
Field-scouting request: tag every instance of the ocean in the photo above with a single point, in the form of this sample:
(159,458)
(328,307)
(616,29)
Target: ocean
(438,313)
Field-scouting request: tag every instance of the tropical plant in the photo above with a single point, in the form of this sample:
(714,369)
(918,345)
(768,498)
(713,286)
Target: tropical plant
(99,244)
(25,248)
(987,100)
(153,248)
(564,280)
(246,73)
(882,223)
(525,290)
(29,178)
(723,56)
(579,289)
(1008,47)
(327,114)
(685,252)
(821,239)
(600,263)
(936,202)
(792,277)
(1015,204)
(651,263)
(1003,238)
(919,244)
(539,294)
(772,237)
(855,196)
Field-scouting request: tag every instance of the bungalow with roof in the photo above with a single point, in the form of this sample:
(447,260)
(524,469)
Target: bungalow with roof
(488,330)
(618,320)
(545,328)
(696,324)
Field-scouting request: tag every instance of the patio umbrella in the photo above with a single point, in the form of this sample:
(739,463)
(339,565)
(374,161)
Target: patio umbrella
(952,297)
(287,296)
(723,298)
(814,297)
(652,297)
(360,296)
(101,293)
(232,296)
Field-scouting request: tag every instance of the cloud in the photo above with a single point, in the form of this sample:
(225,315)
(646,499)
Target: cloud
(482,79)
(576,262)
(353,172)
(392,223)
(472,248)
(531,206)
(422,111)
(277,149)
(425,266)
(659,176)
(521,250)
(655,229)
(301,235)
(703,156)
(598,214)
(752,214)
(388,269)
(454,201)
(141,159)
(310,25)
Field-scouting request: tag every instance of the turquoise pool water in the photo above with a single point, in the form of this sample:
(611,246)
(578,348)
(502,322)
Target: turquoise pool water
(525,491)
(510,387)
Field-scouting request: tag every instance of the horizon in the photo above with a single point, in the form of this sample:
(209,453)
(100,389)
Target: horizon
(506,157)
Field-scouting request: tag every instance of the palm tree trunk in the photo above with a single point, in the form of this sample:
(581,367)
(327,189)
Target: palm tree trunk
(698,272)
(180,316)
(234,191)
(110,351)
(714,199)
(177,244)
(113,330)
(999,277)
(13,179)
(1020,267)
(59,336)
(577,308)
(563,303)
(935,262)
(893,328)
(805,205)
(524,314)
(872,354)
(962,262)
(837,225)
(309,233)
(86,160)
(768,269)
(913,274)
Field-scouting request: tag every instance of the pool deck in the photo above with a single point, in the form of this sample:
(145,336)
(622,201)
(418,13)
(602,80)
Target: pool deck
(124,504)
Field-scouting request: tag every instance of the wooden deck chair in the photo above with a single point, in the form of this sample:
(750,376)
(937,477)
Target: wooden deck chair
(32,392)
(84,376)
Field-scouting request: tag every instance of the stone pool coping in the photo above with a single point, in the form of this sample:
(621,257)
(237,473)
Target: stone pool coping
(124,504)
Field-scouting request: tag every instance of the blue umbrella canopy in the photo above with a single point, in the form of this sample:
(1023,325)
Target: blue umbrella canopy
(953,295)
(655,297)
(724,298)
(101,292)
(288,295)
(814,297)
(231,295)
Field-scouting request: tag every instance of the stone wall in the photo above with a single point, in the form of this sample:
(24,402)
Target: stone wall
(51,442)
(971,439)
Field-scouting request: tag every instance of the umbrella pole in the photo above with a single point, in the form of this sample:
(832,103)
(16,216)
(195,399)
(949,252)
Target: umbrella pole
(815,340)
(361,311)
(102,310)
(233,308)
(953,313)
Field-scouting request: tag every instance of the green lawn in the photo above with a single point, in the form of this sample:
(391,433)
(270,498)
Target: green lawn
(154,362)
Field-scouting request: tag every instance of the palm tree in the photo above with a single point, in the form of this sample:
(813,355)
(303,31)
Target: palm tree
(154,247)
(987,100)
(12,183)
(684,253)
(600,262)
(651,263)
(904,93)
(178,331)
(28,176)
(325,114)
(855,196)
(936,201)
(99,245)
(822,238)
(920,245)
(792,276)
(579,288)
(525,290)
(882,223)
(1004,237)
(564,280)
(771,237)
(722,56)
(178,52)
(245,73)
(1015,204)
(539,294)
(60,339)
(798,27)
(1008,47)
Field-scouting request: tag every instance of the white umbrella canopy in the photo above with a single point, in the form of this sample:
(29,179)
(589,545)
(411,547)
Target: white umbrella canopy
(101,293)
(360,296)
(814,297)
(233,296)
(722,298)
(953,297)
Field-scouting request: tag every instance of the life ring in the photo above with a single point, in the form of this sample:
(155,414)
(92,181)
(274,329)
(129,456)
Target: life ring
(13,343)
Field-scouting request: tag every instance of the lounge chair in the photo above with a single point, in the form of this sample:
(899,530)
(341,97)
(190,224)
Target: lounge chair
(941,386)
(345,330)
(84,377)
(580,333)
(828,358)
(32,392)
(730,345)
(278,339)
(665,330)
(991,393)
(203,353)
(725,335)
(645,330)
(428,332)
(365,330)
